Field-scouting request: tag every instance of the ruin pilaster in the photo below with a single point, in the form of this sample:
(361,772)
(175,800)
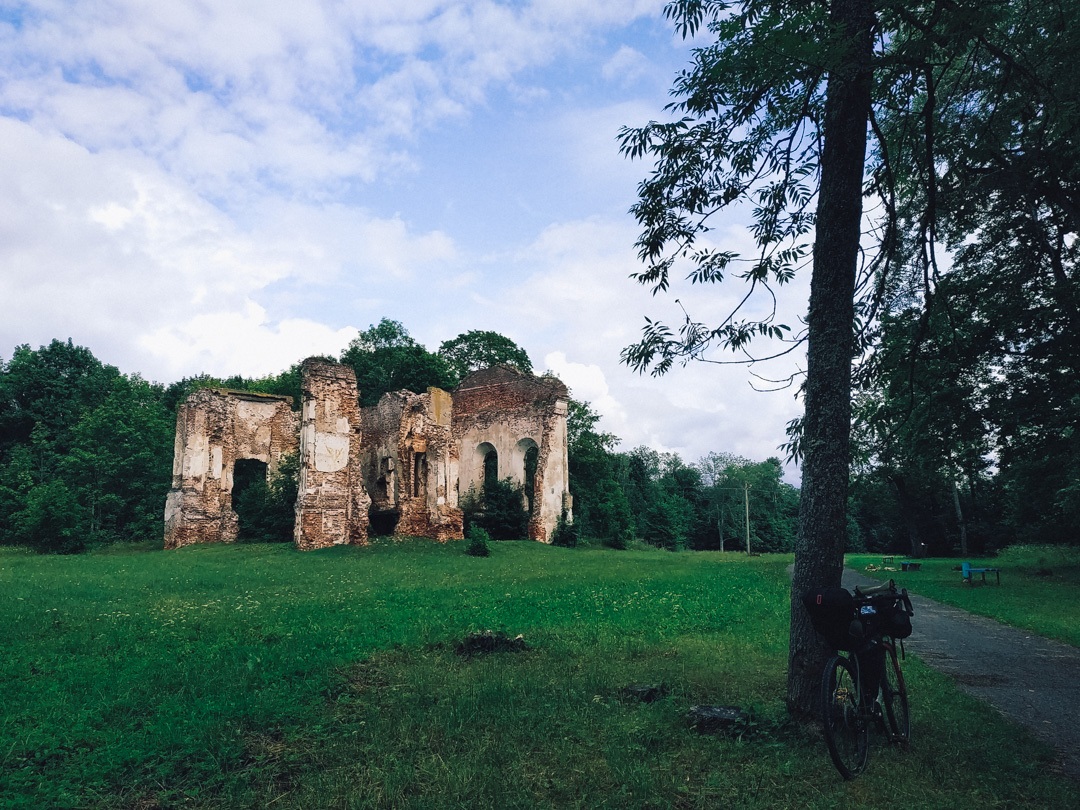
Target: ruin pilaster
(332,504)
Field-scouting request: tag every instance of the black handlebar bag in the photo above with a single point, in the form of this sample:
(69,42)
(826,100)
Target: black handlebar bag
(832,612)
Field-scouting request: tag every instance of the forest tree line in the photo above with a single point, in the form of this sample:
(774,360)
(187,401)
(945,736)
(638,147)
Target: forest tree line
(956,449)
(86,454)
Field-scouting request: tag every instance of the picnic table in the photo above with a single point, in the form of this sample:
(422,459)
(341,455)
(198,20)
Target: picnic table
(968,571)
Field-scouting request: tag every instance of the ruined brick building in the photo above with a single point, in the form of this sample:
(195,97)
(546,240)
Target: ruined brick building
(399,467)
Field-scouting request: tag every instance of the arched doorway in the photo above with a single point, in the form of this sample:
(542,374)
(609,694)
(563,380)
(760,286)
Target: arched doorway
(530,455)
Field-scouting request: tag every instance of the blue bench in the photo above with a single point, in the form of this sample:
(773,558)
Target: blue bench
(967,571)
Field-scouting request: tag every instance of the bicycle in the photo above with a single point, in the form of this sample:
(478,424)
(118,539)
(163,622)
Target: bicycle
(866,686)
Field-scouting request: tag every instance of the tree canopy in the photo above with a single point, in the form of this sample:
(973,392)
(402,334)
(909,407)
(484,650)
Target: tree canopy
(476,349)
(387,358)
(86,455)
(85,452)
(970,120)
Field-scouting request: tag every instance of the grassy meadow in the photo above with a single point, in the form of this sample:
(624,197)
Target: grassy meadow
(1039,591)
(254,676)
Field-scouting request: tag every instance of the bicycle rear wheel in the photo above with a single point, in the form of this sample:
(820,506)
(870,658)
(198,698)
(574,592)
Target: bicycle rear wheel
(846,731)
(894,702)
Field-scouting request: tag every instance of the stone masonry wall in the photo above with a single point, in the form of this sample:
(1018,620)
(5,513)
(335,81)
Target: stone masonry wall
(332,503)
(410,463)
(428,452)
(505,409)
(215,428)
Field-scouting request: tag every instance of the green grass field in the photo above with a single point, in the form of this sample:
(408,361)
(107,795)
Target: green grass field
(1039,591)
(258,676)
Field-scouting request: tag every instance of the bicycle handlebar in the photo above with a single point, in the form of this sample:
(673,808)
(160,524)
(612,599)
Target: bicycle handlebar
(887,587)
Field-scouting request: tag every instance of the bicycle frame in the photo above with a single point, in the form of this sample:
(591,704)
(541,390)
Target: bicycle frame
(862,689)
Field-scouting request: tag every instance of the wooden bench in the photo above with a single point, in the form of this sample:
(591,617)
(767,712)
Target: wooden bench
(967,571)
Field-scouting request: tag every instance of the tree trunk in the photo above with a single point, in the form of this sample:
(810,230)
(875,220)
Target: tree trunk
(819,549)
(960,520)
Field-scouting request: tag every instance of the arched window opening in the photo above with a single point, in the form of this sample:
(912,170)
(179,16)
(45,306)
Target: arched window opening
(491,466)
(532,455)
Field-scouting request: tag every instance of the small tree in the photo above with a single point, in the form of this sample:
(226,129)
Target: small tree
(565,534)
(478,542)
(497,508)
(52,521)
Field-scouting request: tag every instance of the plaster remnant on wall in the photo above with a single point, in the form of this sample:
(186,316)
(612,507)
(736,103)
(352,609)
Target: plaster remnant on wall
(331,504)
(215,427)
(404,462)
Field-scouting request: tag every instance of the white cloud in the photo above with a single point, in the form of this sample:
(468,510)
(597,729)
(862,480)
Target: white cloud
(301,95)
(584,309)
(240,342)
(587,383)
(626,65)
(218,187)
(109,251)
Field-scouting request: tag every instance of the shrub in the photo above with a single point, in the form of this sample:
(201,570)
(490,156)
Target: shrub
(565,534)
(498,508)
(478,542)
(50,522)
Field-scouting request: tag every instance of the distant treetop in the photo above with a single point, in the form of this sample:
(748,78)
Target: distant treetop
(477,349)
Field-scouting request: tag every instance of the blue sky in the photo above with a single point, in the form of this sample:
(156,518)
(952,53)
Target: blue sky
(228,187)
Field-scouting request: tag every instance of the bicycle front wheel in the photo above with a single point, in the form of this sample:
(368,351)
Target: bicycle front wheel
(894,702)
(846,731)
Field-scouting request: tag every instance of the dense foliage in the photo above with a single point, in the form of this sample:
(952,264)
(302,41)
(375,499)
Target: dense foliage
(264,503)
(86,458)
(85,451)
(665,502)
(969,408)
(477,349)
(386,358)
(955,121)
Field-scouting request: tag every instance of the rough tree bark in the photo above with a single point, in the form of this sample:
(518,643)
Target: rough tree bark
(830,325)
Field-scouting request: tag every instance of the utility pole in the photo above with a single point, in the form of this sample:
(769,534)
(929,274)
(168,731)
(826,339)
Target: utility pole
(746,495)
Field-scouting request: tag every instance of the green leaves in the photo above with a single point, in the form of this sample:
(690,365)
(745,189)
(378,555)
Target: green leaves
(747,138)
(85,452)
(477,349)
(386,358)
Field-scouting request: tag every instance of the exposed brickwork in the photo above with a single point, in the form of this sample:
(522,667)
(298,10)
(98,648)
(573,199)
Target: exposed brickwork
(408,457)
(332,504)
(506,410)
(410,463)
(215,428)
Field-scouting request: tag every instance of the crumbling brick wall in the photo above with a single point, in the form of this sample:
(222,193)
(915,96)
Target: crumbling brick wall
(410,463)
(411,455)
(215,428)
(510,411)
(332,503)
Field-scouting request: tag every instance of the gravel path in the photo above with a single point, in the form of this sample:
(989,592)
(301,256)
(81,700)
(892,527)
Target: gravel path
(1031,680)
